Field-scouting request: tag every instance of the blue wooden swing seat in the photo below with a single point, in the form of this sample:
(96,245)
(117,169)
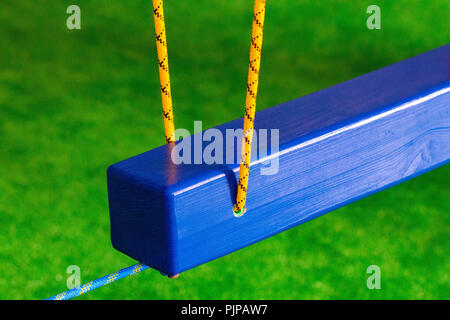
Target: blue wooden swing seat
(336,146)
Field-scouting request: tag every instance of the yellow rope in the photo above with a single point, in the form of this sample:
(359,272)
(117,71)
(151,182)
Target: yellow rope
(252,90)
(161,45)
(250,104)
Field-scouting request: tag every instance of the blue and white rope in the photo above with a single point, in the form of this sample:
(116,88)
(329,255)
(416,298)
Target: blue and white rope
(72,293)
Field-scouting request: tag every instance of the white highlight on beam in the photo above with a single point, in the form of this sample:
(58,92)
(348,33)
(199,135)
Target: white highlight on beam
(357,124)
(336,132)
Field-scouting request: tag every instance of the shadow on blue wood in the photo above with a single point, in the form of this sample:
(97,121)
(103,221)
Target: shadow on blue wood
(336,146)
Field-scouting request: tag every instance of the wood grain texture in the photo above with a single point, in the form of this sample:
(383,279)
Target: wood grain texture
(337,145)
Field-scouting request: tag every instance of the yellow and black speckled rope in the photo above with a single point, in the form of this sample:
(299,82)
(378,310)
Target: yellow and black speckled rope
(252,90)
(250,104)
(161,45)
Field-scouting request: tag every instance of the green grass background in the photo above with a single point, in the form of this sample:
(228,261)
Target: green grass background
(74,102)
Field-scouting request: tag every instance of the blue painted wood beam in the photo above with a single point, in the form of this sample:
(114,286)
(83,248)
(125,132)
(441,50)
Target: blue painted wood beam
(336,146)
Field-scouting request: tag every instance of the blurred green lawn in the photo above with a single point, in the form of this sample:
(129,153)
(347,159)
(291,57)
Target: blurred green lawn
(74,102)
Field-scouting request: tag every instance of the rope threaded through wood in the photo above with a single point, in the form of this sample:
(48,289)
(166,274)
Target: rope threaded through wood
(250,104)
